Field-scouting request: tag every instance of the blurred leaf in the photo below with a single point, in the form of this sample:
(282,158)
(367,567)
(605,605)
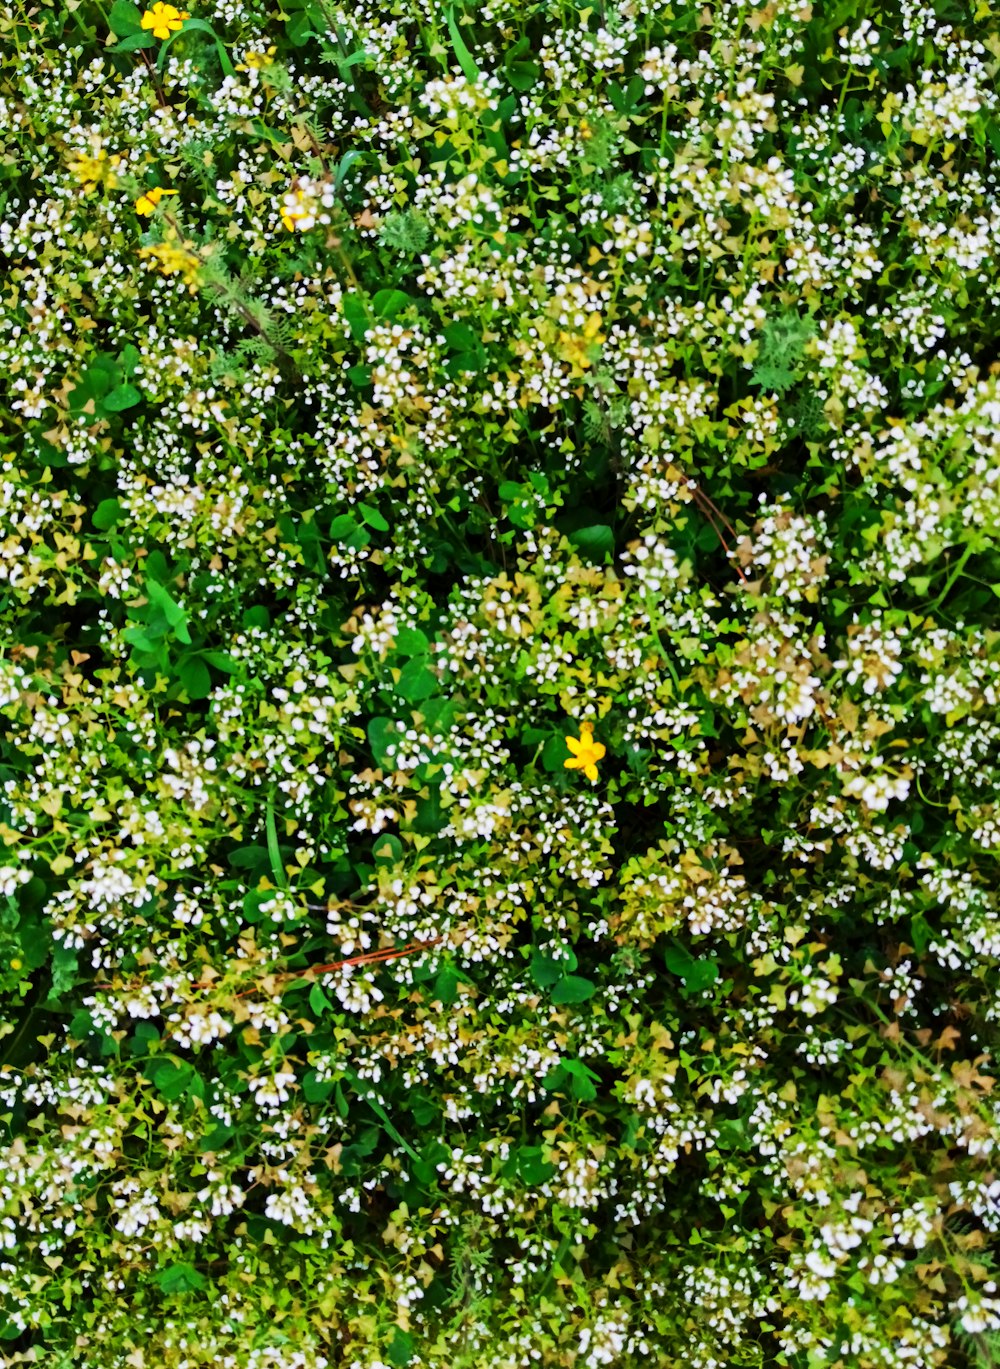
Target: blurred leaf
(573,989)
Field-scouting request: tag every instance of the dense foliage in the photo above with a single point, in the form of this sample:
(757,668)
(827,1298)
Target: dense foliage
(501,747)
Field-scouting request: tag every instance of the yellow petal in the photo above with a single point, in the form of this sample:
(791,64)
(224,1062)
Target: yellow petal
(574,744)
(572,764)
(598,750)
(591,772)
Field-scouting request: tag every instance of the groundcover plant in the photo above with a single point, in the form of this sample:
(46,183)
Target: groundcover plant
(499,677)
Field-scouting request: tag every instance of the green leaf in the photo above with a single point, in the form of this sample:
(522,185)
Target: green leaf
(144,1036)
(249,858)
(273,849)
(353,154)
(124,18)
(521,71)
(346,531)
(697,974)
(416,681)
(179,1278)
(135,41)
(546,969)
(388,850)
(107,514)
(130,359)
(299,30)
(90,390)
(573,989)
(316,1090)
(731,1134)
(389,303)
(196,678)
(532,1165)
(356,316)
(122,397)
(410,641)
(64,969)
(574,1077)
(431,815)
(380,1112)
(381,732)
(222,660)
(81,1025)
(423,1107)
(582,1079)
(318,1001)
(142,640)
(373,518)
(197,26)
(597,543)
(554,754)
(464,338)
(446,987)
(171,610)
(465,59)
(171,1078)
(773,379)
(400,1349)
(921,933)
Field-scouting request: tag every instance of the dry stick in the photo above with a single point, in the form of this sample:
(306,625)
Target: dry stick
(368,958)
(706,506)
(164,102)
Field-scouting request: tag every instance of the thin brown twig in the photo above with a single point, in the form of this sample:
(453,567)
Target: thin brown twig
(164,102)
(368,958)
(382,956)
(707,507)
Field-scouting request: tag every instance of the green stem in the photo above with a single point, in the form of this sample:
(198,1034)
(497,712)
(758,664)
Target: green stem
(933,803)
(956,572)
(273,849)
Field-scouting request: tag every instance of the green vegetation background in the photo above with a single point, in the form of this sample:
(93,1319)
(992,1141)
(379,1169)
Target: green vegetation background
(402,402)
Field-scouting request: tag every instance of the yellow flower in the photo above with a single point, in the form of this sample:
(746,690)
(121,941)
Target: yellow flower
(91,170)
(148,201)
(577,348)
(257,60)
(586,752)
(16,964)
(163,20)
(173,258)
(294,218)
